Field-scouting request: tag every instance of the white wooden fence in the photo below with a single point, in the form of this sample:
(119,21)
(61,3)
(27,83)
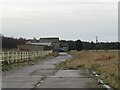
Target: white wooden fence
(15,57)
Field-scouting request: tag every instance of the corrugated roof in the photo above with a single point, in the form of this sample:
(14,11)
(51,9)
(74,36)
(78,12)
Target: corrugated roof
(48,40)
(44,44)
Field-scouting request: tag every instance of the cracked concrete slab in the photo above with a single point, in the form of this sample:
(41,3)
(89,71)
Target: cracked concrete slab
(66,82)
(43,72)
(20,82)
(18,85)
(69,73)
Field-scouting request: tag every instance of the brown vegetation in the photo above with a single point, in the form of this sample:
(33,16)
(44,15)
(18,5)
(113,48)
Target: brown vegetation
(105,63)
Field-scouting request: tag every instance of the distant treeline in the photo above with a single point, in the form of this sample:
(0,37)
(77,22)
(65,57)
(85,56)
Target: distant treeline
(81,45)
(10,43)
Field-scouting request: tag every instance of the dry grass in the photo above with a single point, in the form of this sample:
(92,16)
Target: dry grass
(103,62)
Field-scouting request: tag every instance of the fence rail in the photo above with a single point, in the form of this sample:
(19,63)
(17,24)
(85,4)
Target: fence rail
(15,57)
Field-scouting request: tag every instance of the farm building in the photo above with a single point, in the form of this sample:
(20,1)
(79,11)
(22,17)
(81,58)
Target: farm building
(43,44)
(35,46)
(54,42)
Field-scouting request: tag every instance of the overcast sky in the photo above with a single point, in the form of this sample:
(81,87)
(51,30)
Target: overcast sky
(67,19)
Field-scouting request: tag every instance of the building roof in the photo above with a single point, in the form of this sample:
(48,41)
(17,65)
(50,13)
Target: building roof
(31,41)
(51,39)
(42,44)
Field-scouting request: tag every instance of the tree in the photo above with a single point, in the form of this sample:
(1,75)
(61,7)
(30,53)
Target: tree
(79,45)
(71,45)
(92,46)
(10,42)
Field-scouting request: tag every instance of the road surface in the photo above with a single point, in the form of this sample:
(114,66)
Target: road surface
(44,75)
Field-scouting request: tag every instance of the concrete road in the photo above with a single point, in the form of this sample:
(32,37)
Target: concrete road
(44,75)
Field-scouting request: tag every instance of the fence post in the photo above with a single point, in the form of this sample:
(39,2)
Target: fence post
(16,55)
(12,57)
(2,56)
(8,57)
(23,56)
(20,56)
(27,56)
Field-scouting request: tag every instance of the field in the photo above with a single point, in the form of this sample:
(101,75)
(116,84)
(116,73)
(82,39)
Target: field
(105,63)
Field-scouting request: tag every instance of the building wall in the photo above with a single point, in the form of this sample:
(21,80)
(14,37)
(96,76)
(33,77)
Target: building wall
(48,48)
(54,41)
(56,45)
(30,47)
